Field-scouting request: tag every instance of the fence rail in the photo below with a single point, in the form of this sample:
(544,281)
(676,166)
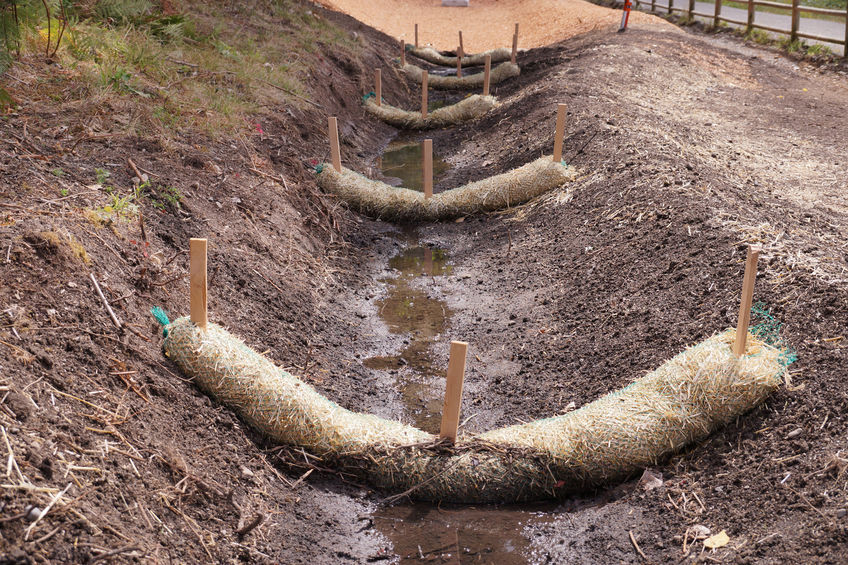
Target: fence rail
(794,9)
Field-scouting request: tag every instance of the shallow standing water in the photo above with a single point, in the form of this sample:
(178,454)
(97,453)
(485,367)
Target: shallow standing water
(425,531)
(402,165)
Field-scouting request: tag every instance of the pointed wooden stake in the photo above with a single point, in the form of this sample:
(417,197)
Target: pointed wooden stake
(747,298)
(424,78)
(335,151)
(487,70)
(402,53)
(459,62)
(197,285)
(378,86)
(428,168)
(560,130)
(453,390)
(416,36)
(514,45)
(461,46)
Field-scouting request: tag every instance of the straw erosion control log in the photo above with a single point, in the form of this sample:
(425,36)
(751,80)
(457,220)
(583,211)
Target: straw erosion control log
(464,110)
(380,200)
(701,389)
(467,82)
(432,56)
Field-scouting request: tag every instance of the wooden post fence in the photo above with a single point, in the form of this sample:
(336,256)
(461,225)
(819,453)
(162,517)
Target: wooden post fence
(751,10)
(560,130)
(197,286)
(428,168)
(747,298)
(717,15)
(487,70)
(335,149)
(453,390)
(424,78)
(796,20)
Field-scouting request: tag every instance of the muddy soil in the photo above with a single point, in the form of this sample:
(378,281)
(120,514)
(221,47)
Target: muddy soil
(689,151)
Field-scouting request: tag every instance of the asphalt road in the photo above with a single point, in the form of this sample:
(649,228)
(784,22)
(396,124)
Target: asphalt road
(824,28)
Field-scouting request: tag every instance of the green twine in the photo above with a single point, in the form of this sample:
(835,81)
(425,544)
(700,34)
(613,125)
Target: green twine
(371,94)
(319,168)
(162,318)
(768,329)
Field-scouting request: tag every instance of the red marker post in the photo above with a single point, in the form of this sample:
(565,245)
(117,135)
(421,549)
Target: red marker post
(625,16)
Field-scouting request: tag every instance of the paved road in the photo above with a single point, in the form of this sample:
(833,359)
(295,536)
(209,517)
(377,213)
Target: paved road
(825,28)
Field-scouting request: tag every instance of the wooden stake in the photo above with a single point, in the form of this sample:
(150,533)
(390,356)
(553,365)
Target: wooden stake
(335,151)
(378,86)
(402,53)
(747,297)
(560,130)
(428,168)
(197,286)
(416,36)
(424,77)
(461,46)
(459,62)
(487,70)
(453,390)
(514,46)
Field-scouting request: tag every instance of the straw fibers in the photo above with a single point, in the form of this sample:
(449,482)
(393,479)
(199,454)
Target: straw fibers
(439,82)
(433,56)
(698,391)
(464,110)
(380,200)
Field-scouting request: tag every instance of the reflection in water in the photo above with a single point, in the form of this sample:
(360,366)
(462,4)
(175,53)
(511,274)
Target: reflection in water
(408,310)
(424,532)
(402,165)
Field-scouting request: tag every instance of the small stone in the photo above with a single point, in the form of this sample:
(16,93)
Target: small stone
(795,433)
(245,472)
(32,513)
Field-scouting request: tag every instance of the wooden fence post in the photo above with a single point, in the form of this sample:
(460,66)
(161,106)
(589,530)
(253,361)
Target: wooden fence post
(416,36)
(197,286)
(453,390)
(751,8)
(428,168)
(378,86)
(402,53)
(747,298)
(335,150)
(717,13)
(487,70)
(845,45)
(670,6)
(691,9)
(461,46)
(560,130)
(514,48)
(424,78)
(653,6)
(796,20)
(459,62)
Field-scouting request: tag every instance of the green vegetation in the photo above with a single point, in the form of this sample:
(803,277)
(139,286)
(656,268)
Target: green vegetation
(192,66)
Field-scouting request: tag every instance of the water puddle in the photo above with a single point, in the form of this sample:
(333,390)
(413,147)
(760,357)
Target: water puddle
(461,534)
(424,532)
(408,310)
(402,164)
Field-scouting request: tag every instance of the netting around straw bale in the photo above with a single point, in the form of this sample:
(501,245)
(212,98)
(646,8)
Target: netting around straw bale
(699,390)
(466,109)
(433,56)
(380,200)
(498,74)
